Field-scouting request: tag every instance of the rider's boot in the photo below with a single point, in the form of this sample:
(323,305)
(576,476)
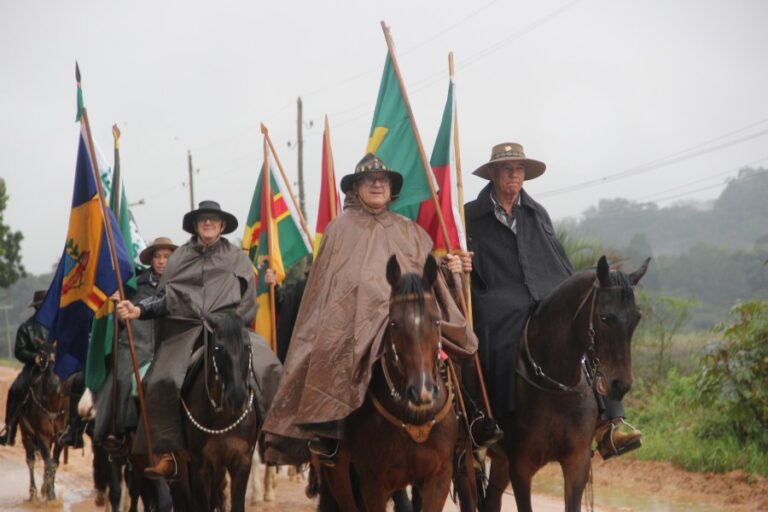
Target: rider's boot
(616,437)
(166,467)
(8,435)
(326,449)
(73,435)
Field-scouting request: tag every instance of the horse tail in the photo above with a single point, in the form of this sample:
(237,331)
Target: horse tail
(229,354)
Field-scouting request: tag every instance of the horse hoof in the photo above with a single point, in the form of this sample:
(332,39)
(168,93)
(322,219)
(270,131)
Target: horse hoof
(101,499)
(269,495)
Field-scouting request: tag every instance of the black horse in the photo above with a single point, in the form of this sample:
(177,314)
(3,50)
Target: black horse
(220,420)
(590,317)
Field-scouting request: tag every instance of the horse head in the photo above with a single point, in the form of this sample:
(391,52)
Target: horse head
(230,359)
(615,315)
(46,360)
(413,332)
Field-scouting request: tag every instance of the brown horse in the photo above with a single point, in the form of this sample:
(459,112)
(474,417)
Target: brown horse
(592,316)
(220,421)
(406,431)
(44,416)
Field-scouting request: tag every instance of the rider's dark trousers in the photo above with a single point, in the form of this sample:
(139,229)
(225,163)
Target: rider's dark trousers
(17,393)
(75,394)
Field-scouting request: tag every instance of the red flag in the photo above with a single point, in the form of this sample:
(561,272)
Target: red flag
(329,206)
(444,171)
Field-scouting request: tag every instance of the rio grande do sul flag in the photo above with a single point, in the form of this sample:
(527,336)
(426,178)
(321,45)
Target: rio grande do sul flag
(329,206)
(393,140)
(443,165)
(277,246)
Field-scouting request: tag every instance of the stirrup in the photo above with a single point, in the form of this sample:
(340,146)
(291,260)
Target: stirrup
(326,459)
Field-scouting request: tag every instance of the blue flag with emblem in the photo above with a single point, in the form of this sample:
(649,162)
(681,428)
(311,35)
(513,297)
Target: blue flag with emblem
(85,277)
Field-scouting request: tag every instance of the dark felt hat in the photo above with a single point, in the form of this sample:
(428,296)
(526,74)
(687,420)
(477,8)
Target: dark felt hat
(511,152)
(160,242)
(372,163)
(38,298)
(209,207)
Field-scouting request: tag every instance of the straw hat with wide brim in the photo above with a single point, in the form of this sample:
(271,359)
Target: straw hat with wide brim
(209,207)
(372,163)
(160,242)
(511,152)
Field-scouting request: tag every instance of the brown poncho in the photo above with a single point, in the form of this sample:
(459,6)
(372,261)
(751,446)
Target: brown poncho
(342,318)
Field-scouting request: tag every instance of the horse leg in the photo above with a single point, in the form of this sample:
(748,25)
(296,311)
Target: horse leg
(498,480)
(238,486)
(374,497)
(336,488)
(576,474)
(435,491)
(30,451)
(256,487)
(115,485)
(270,481)
(521,475)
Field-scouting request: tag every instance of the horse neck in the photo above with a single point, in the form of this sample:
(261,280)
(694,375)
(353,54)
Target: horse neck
(557,332)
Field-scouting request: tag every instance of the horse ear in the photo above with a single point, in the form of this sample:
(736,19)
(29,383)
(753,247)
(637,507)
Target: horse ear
(429,276)
(603,272)
(638,274)
(393,271)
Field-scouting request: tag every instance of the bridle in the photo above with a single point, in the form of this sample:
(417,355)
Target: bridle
(43,368)
(247,408)
(418,432)
(591,363)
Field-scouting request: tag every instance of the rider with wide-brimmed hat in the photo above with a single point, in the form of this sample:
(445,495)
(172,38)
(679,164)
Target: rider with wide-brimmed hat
(343,316)
(29,338)
(518,260)
(155,256)
(206,275)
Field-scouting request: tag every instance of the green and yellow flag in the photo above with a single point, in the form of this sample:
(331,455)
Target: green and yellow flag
(392,139)
(277,244)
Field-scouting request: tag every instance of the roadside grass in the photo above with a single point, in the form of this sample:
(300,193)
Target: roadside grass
(13,363)
(677,429)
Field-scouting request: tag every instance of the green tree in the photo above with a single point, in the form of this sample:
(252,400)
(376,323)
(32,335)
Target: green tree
(663,316)
(11,268)
(733,380)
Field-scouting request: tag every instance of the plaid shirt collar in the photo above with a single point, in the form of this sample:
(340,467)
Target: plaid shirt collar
(502,215)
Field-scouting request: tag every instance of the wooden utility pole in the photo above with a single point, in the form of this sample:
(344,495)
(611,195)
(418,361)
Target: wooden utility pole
(191,182)
(300,144)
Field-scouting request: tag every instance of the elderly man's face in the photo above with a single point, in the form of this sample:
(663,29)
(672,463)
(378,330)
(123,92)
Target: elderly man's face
(508,178)
(159,259)
(209,227)
(374,190)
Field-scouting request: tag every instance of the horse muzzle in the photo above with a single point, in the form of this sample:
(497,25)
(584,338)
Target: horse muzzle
(422,397)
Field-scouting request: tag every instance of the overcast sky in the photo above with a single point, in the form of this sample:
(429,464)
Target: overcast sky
(591,87)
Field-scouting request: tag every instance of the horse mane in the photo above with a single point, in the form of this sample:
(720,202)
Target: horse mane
(229,329)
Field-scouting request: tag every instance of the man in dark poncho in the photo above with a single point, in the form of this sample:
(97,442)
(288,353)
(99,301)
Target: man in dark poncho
(518,260)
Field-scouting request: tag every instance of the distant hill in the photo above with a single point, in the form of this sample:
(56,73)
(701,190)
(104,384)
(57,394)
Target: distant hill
(738,219)
(714,252)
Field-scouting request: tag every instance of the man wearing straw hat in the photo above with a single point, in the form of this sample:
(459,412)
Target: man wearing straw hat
(29,339)
(155,256)
(518,260)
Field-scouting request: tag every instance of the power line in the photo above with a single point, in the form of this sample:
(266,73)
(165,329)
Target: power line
(659,163)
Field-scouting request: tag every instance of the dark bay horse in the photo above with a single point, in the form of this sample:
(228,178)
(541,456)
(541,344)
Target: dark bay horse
(406,431)
(220,420)
(44,416)
(592,315)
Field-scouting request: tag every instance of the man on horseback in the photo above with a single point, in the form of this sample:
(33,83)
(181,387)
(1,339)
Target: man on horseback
(29,339)
(207,275)
(344,313)
(123,409)
(518,260)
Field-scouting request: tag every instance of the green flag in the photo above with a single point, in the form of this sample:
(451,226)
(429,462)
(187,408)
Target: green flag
(392,139)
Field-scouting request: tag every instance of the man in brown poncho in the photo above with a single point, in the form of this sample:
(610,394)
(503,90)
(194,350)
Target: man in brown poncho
(343,316)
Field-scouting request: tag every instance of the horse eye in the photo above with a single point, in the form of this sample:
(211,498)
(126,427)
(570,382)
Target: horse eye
(606,318)
(392,325)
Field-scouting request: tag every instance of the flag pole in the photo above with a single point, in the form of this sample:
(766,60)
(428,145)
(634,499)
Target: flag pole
(303,221)
(115,265)
(424,160)
(331,174)
(115,322)
(267,195)
(460,192)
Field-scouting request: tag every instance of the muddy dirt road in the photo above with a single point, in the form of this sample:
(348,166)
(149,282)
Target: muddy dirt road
(620,485)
